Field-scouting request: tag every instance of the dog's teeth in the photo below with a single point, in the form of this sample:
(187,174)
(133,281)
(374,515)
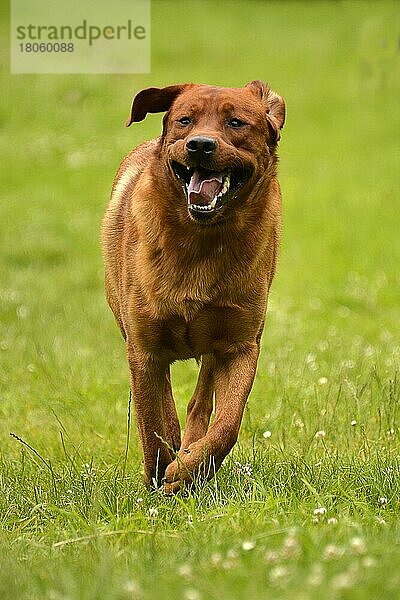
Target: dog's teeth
(225,188)
(213,203)
(202,207)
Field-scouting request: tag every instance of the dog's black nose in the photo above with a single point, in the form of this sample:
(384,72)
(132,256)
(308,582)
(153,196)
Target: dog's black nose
(201,144)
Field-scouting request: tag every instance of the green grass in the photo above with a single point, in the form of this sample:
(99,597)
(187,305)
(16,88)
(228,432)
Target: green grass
(72,527)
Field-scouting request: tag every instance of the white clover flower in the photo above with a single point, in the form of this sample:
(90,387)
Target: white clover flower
(278,573)
(320,434)
(382,500)
(228,564)
(271,556)
(248,545)
(291,547)
(320,511)
(357,545)
(267,434)
(216,559)
(316,575)
(332,521)
(390,434)
(185,570)
(153,512)
(88,472)
(192,594)
(131,587)
(331,552)
(323,380)
(345,580)
(368,562)
(244,469)
(353,423)
(318,514)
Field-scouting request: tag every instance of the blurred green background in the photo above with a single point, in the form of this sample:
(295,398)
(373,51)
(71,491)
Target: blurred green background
(62,138)
(333,325)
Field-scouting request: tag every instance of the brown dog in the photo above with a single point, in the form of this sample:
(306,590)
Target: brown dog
(190,241)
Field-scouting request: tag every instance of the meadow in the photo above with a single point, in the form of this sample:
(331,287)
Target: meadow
(308,503)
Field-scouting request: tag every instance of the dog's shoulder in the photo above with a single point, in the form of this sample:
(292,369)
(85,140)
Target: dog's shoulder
(132,166)
(129,172)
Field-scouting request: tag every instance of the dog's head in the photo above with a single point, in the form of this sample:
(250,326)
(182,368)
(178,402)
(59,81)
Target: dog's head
(217,141)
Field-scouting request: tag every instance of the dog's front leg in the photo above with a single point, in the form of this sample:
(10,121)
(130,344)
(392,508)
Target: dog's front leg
(234,376)
(148,385)
(172,426)
(201,404)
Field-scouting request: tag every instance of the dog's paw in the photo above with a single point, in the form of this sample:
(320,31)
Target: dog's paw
(191,466)
(180,471)
(172,488)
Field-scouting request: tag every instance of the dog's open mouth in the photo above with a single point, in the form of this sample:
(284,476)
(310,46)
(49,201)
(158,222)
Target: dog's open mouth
(207,191)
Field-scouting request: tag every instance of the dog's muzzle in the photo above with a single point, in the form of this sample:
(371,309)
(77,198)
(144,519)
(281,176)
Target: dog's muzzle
(199,144)
(207,190)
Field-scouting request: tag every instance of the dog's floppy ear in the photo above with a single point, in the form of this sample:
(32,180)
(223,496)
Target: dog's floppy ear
(274,106)
(153,100)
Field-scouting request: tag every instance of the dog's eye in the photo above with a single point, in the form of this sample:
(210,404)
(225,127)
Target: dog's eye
(235,123)
(185,121)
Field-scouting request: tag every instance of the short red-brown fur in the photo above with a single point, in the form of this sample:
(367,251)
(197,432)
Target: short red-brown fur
(182,289)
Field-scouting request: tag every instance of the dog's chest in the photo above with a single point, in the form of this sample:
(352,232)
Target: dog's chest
(211,328)
(192,305)
(181,284)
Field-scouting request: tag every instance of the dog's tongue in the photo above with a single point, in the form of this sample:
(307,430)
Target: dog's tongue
(204,186)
